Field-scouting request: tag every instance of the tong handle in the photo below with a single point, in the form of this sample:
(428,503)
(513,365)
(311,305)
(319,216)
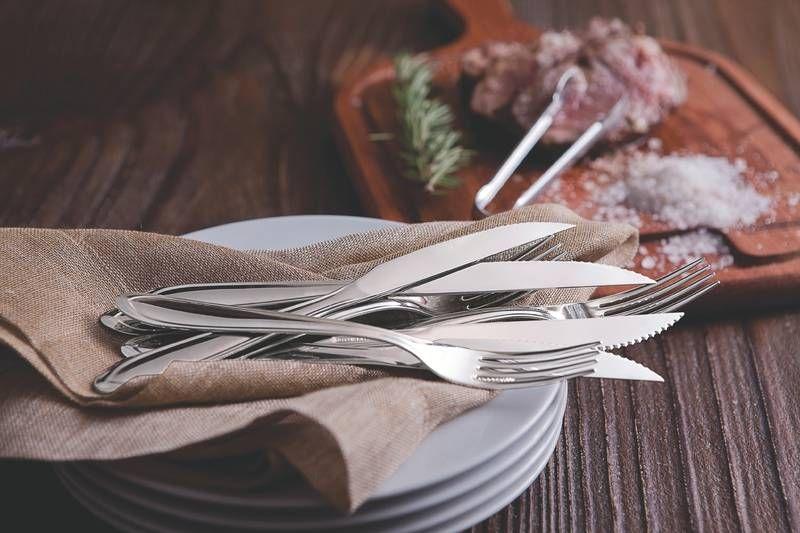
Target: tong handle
(567,159)
(589,138)
(487,193)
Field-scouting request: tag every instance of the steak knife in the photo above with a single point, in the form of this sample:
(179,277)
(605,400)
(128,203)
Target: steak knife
(609,331)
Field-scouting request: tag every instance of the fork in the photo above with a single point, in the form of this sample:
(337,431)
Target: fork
(464,366)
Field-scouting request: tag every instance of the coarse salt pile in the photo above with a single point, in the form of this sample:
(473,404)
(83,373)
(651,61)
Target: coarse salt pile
(684,191)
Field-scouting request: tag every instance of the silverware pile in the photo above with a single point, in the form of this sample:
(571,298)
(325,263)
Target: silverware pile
(454,316)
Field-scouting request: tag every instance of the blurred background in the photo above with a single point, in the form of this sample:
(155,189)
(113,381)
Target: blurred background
(175,115)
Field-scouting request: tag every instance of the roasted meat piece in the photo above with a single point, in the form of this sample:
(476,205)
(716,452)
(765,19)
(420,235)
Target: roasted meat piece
(513,82)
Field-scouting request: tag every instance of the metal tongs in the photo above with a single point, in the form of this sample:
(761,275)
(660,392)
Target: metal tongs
(594,133)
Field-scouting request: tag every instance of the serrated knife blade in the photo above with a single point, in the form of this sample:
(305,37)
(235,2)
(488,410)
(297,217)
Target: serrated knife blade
(613,366)
(610,332)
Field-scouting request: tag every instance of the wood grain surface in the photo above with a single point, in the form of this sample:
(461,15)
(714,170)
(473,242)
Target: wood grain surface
(175,115)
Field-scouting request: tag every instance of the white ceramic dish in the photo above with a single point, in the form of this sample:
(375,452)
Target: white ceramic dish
(433,476)
(113,506)
(219,511)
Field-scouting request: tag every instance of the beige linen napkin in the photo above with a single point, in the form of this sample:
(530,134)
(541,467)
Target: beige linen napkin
(344,428)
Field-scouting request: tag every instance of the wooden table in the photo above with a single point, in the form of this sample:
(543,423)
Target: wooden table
(176,115)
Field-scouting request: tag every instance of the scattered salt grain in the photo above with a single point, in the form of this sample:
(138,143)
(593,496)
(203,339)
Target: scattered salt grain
(654,143)
(648,262)
(793,199)
(680,249)
(771,176)
(684,191)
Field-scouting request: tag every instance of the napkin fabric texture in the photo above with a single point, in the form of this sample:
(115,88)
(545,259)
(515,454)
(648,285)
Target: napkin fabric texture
(345,428)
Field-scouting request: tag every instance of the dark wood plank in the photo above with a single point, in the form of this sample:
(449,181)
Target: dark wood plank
(171,116)
(704,460)
(753,490)
(774,343)
(179,100)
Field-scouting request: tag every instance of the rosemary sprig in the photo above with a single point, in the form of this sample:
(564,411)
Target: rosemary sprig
(430,146)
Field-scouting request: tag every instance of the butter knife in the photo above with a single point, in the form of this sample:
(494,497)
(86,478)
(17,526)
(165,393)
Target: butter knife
(496,276)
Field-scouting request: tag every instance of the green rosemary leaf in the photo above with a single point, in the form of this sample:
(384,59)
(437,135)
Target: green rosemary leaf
(430,146)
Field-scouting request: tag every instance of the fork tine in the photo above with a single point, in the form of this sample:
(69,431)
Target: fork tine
(544,253)
(673,297)
(685,299)
(658,292)
(632,293)
(488,299)
(531,248)
(514,360)
(522,371)
(526,255)
(559,257)
(512,381)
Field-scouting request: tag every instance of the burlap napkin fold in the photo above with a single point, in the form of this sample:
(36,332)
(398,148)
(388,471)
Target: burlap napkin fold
(344,428)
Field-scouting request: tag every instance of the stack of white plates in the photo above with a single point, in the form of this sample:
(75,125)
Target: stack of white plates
(463,472)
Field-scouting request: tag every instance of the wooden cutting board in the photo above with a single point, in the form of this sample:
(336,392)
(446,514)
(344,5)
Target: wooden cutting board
(727,113)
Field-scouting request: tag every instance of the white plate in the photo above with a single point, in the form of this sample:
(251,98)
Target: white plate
(451,453)
(204,514)
(218,510)
(516,418)
(115,506)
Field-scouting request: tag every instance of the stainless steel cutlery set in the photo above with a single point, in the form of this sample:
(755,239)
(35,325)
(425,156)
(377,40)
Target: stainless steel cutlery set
(442,308)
